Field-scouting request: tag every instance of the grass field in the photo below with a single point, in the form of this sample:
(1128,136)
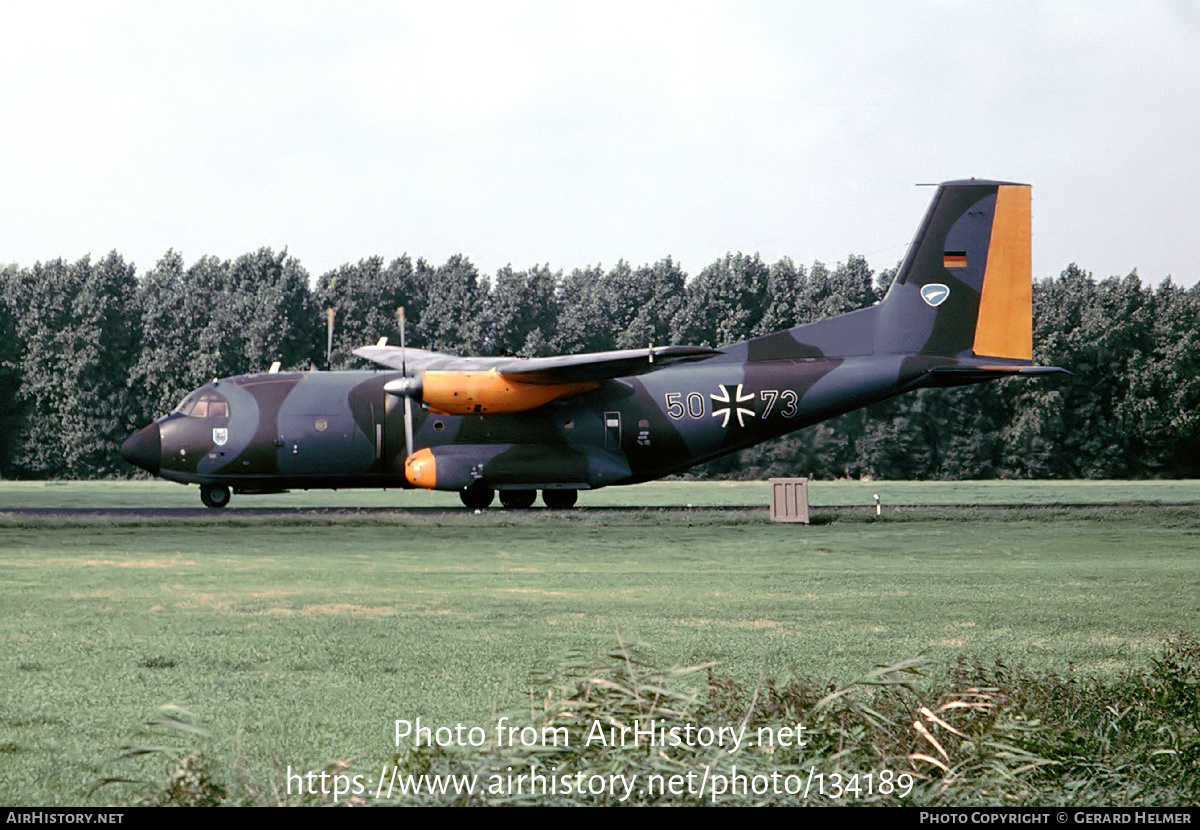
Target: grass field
(123,494)
(298,638)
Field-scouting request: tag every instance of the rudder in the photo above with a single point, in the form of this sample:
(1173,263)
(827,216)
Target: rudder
(1005,324)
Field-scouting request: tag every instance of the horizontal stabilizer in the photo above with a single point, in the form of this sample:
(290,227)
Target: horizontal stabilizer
(962,375)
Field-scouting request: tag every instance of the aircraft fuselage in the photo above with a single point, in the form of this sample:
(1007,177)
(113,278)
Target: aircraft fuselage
(341,429)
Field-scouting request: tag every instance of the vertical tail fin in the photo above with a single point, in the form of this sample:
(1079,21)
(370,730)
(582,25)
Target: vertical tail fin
(965,287)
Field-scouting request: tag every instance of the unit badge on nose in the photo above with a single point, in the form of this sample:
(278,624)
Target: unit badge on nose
(220,435)
(935,294)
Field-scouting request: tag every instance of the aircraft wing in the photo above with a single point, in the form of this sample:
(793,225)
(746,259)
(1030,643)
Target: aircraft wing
(579,368)
(391,356)
(544,371)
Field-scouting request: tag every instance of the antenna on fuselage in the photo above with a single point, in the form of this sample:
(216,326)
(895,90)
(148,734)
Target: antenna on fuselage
(329,341)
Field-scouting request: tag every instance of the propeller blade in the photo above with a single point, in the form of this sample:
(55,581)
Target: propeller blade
(408,415)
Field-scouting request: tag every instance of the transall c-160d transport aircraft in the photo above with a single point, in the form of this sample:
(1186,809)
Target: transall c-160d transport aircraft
(958,312)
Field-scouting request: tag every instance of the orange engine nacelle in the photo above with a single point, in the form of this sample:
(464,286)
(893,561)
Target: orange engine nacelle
(420,469)
(490,393)
(529,466)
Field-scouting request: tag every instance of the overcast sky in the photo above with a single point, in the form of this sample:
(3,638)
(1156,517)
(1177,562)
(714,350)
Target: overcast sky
(581,133)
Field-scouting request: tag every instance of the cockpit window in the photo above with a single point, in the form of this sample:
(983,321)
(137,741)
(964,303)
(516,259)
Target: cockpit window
(204,405)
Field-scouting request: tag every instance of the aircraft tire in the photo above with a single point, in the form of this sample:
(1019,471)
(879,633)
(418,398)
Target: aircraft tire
(518,499)
(215,496)
(477,498)
(560,499)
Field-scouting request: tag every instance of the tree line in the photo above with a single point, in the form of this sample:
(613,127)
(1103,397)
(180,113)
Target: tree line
(91,351)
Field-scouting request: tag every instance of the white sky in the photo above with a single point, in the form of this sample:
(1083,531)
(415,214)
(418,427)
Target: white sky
(582,133)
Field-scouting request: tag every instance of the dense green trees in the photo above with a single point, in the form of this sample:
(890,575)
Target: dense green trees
(219,318)
(365,299)
(1131,407)
(11,406)
(454,298)
(725,301)
(77,329)
(88,352)
(523,312)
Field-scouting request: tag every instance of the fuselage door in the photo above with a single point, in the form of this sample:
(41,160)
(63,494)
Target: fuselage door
(612,430)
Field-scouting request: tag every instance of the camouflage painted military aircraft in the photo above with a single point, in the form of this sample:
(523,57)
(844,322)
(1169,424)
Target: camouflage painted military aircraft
(958,312)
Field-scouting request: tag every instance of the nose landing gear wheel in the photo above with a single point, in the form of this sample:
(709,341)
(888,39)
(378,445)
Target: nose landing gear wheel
(477,498)
(517,499)
(560,499)
(214,495)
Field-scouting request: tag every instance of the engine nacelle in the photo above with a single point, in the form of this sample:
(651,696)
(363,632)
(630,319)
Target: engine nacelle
(482,393)
(457,467)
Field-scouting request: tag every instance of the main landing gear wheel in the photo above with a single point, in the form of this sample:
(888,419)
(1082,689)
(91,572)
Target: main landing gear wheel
(518,499)
(560,499)
(477,498)
(214,495)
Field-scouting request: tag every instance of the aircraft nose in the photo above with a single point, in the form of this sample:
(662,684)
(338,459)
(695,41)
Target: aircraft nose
(144,449)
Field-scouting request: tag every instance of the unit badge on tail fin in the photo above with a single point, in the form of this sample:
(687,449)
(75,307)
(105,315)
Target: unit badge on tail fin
(935,294)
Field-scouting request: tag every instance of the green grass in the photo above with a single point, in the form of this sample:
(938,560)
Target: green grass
(160,494)
(302,637)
